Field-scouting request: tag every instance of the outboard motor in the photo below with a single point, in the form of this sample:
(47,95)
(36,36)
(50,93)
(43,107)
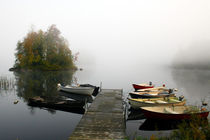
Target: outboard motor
(170,90)
(150,83)
(181,98)
(58,86)
(204,104)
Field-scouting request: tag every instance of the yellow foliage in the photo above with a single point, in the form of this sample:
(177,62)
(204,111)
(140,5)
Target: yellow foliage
(45,50)
(153,137)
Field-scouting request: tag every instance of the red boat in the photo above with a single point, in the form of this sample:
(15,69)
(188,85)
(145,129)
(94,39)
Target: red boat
(174,113)
(143,86)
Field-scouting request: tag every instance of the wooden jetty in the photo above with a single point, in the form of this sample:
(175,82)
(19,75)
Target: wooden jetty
(104,119)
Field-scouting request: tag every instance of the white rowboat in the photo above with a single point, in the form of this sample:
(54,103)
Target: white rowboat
(76,89)
(169,101)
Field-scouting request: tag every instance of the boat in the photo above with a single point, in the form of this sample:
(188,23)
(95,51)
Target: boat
(152,94)
(157,91)
(96,88)
(76,89)
(77,97)
(174,112)
(57,103)
(143,86)
(168,101)
(163,88)
(159,95)
(136,94)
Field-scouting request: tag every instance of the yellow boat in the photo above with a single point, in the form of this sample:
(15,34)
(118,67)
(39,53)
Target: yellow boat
(168,101)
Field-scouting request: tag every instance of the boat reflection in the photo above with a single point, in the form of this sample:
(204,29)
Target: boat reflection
(33,84)
(134,114)
(53,110)
(161,125)
(157,125)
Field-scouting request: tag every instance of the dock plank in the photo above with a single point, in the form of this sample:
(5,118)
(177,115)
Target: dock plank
(104,119)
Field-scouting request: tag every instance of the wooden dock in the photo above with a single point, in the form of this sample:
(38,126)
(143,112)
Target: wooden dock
(104,119)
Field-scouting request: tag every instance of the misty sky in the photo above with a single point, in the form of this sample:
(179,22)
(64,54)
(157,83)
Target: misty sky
(126,32)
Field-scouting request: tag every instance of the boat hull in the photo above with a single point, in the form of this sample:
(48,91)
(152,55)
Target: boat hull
(77,90)
(166,116)
(137,104)
(139,86)
(77,97)
(148,95)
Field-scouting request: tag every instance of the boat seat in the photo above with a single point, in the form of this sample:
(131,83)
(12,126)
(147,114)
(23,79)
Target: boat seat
(161,102)
(151,102)
(174,100)
(170,111)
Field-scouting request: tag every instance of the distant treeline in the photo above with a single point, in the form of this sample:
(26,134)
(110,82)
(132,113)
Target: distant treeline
(197,56)
(44,50)
(191,66)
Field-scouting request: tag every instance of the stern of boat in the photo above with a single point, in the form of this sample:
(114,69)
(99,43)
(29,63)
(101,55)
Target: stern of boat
(58,86)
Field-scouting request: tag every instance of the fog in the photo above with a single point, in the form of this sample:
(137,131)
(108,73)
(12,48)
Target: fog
(110,32)
(120,42)
(196,56)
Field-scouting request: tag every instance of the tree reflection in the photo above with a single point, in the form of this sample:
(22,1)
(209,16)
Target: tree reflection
(39,83)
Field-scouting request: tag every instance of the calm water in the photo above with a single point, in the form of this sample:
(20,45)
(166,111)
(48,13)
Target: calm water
(31,123)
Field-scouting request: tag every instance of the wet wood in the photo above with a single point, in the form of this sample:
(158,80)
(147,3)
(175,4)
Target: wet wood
(104,119)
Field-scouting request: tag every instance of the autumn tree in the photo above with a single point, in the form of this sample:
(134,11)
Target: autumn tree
(44,50)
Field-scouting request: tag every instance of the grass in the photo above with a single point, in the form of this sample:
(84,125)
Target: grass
(195,129)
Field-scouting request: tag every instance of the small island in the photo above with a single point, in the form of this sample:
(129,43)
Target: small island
(44,51)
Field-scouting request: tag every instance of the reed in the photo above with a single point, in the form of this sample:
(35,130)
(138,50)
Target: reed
(194,129)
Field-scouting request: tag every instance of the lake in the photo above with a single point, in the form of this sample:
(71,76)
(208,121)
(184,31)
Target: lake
(24,122)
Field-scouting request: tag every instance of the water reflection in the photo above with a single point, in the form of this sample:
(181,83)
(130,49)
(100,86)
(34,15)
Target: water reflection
(7,83)
(135,115)
(193,83)
(39,83)
(32,84)
(17,119)
(158,125)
